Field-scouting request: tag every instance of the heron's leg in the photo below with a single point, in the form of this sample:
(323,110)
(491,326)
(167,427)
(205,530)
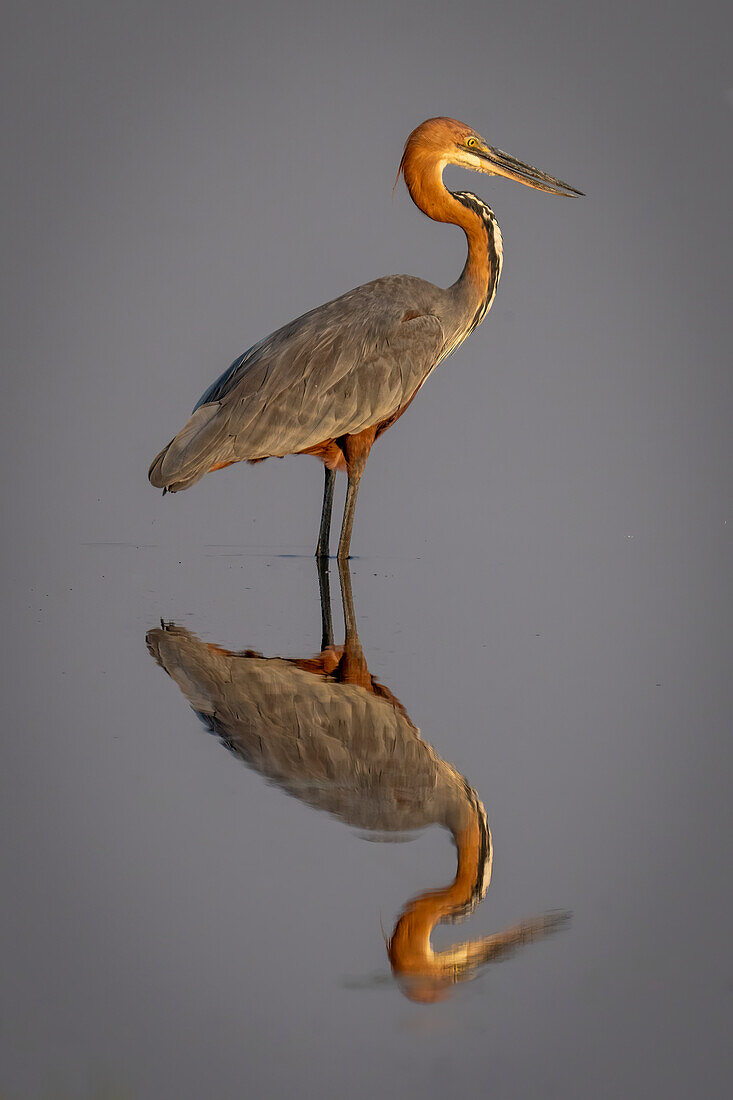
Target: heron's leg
(324,589)
(325,531)
(356,450)
(349,509)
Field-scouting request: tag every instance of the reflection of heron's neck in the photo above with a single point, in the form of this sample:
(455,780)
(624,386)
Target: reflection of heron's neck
(426,975)
(410,950)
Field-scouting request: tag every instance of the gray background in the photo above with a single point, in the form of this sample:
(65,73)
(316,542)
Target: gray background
(543,570)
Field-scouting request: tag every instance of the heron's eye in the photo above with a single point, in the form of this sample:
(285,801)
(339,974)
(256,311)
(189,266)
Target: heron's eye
(471,142)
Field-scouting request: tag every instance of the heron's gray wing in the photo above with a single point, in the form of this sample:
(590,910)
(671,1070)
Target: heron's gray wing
(339,385)
(343,367)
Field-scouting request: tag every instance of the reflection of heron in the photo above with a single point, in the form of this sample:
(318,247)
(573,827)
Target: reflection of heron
(330,382)
(327,732)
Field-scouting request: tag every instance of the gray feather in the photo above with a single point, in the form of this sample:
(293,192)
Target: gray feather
(343,367)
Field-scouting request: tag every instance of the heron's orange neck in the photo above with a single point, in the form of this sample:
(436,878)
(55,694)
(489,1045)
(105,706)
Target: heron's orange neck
(423,172)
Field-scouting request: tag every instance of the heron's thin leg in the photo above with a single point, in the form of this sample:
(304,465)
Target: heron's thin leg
(325,531)
(348,521)
(324,589)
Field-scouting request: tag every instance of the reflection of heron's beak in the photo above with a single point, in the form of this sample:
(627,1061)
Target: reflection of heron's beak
(498,163)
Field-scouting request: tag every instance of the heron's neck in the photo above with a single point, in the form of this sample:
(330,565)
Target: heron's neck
(475,288)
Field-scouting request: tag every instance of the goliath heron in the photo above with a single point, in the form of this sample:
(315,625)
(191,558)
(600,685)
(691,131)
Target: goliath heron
(329,383)
(324,730)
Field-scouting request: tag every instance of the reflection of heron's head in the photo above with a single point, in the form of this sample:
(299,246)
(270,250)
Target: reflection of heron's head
(431,979)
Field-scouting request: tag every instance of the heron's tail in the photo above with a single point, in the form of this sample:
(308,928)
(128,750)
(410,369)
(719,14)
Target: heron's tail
(201,444)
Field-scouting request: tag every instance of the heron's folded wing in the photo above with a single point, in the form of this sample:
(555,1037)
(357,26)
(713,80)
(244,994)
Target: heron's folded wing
(335,371)
(323,381)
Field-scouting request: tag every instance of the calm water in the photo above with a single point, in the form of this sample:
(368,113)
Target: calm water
(182,923)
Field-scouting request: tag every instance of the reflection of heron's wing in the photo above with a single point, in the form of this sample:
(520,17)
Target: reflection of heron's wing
(339,747)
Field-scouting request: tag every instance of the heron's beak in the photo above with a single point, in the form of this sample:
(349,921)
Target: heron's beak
(498,163)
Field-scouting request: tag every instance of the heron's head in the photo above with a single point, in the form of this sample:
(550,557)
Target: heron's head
(451,142)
